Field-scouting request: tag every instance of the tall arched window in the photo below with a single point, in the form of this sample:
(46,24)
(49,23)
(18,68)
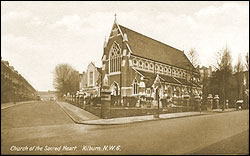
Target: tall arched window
(135,87)
(115,57)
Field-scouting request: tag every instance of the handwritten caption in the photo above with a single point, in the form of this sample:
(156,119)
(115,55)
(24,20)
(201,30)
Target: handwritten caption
(46,148)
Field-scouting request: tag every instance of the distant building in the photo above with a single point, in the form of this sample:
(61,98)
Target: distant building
(83,80)
(205,72)
(241,91)
(14,87)
(90,80)
(46,96)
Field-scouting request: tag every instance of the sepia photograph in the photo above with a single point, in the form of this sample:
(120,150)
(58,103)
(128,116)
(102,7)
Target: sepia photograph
(124,77)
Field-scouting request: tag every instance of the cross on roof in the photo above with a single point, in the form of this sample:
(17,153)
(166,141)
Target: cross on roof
(115,17)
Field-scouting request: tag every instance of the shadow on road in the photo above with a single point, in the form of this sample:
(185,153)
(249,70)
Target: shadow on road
(237,144)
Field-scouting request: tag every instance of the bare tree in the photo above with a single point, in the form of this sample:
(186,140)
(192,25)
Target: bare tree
(224,73)
(239,66)
(66,79)
(193,57)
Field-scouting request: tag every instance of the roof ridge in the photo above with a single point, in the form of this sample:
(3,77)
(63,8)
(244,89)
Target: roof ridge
(151,38)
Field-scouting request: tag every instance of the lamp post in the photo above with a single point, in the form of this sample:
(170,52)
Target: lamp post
(77,98)
(142,88)
(157,84)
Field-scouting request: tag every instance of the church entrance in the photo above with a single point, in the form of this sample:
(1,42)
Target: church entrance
(115,95)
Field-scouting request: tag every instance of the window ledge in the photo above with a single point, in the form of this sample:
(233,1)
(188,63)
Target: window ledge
(115,73)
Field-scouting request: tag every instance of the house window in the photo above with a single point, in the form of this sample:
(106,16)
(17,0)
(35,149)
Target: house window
(91,79)
(148,91)
(115,58)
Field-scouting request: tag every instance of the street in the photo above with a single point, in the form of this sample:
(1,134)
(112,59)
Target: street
(45,126)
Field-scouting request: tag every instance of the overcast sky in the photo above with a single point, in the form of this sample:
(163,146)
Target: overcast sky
(36,36)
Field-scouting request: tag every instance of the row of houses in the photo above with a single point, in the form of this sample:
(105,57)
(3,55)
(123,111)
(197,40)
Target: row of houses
(14,87)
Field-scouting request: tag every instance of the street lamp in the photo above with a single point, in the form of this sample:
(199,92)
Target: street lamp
(157,84)
(142,88)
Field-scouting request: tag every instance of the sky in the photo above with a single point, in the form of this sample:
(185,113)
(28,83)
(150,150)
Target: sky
(37,36)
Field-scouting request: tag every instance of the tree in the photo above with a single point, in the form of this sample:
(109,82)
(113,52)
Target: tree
(66,79)
(238,69)
(222,77)
(193,58)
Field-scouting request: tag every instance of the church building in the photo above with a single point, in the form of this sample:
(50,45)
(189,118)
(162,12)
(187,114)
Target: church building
(133,63)
(90,80)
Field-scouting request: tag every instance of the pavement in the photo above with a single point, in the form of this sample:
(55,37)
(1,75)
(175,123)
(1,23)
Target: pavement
(81,116)
(220,110)
(11,104)
(78,115)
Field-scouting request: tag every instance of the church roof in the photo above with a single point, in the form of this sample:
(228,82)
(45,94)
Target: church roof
(150,78)
(147,47)
(185,82)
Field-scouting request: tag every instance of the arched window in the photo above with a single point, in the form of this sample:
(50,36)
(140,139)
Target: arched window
(151,66)
(135,62)
(135,87)
(161,68)
(178,91)
(165,69)
(140,64)
(115,58)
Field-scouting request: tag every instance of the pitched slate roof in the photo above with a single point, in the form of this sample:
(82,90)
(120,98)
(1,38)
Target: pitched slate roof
(185,82)
(150,78)
(147,47)
(169,79)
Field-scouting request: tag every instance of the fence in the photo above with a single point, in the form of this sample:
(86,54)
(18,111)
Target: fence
(134,106)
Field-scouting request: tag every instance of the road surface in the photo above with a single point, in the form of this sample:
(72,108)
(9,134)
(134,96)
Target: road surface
(44,128)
